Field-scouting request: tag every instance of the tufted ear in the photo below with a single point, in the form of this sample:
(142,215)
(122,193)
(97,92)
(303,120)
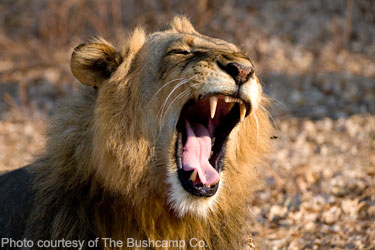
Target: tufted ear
(183,25)
(93,63)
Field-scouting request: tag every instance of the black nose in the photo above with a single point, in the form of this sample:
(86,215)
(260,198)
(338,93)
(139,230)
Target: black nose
(239,72)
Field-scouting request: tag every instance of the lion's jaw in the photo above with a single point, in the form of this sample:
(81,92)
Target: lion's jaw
(183,98)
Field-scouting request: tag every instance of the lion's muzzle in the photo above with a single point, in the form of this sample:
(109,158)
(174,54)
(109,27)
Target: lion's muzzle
(203,129)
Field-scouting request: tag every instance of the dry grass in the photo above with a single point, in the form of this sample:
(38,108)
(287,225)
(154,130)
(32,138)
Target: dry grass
(314,57)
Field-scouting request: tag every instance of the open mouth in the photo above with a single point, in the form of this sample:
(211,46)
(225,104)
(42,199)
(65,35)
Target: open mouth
(202,133)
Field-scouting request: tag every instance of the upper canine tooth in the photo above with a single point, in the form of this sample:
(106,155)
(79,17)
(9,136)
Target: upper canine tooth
(242,111)
(226,99)
(230,106)
(213,104)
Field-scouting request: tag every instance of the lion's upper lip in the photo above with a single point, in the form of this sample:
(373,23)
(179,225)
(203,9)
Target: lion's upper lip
(203,129)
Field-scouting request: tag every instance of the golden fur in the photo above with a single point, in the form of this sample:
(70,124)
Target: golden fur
(109,169)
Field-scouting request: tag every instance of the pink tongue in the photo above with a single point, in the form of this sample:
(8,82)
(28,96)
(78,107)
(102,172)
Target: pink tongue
(196,153)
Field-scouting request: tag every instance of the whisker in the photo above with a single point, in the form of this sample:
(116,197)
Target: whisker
(257,124)
(179,96)
(161,110)
(195,84)
(166,111)
(157,92)
(269,114)
(175,99)
(174,89)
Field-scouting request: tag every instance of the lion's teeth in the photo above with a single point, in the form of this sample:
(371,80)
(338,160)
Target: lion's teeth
(242,111)
(230,106)
(214,183)
(232,99)
(193,176)
(213,104)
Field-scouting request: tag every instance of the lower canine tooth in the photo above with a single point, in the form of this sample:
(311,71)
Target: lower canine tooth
(242,111)
(213,104)
(193,176)
(213,184)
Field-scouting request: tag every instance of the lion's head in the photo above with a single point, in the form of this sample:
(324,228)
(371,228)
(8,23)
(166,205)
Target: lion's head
(178,116)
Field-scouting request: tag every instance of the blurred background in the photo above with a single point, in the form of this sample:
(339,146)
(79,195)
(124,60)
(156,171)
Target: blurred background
(315,59)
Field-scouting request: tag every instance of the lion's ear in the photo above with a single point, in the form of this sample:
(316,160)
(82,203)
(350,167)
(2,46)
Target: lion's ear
(93,63)
(183,25)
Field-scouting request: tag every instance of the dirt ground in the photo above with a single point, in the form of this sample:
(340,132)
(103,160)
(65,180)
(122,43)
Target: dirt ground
(315,59)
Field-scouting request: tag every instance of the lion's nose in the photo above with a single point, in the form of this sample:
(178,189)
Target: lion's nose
(239,72)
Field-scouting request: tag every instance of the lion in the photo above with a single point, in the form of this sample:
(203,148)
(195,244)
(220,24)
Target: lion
(161,144)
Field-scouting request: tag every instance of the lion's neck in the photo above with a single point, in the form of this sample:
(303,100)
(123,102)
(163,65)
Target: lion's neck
(152,219)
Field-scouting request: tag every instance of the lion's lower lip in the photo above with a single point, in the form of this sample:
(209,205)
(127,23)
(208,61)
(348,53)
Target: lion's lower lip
(198,112)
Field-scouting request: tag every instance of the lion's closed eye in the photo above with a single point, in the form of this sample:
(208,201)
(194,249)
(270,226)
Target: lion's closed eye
(179,52)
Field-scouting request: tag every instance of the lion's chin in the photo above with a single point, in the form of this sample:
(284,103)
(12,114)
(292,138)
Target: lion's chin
(183,203)
(202,132)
